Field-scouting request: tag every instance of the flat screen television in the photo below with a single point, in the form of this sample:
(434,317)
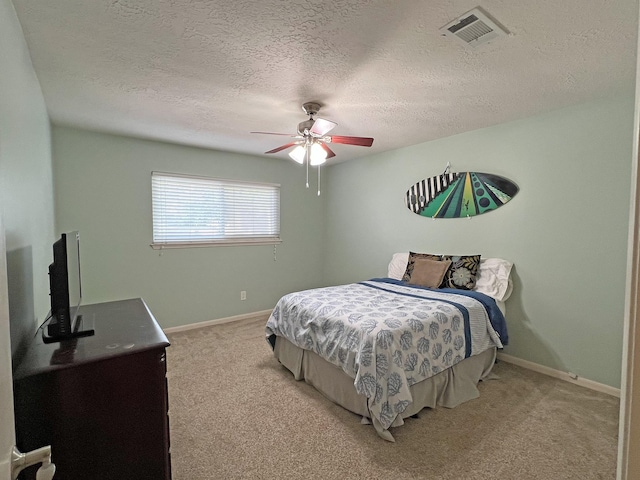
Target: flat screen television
(65,288)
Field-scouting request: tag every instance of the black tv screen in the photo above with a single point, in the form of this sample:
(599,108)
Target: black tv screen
(65,284)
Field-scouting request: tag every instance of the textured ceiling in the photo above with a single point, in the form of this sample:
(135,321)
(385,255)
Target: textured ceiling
(206,73)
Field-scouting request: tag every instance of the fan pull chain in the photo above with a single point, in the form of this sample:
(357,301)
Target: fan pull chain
(307,162)
(318,180)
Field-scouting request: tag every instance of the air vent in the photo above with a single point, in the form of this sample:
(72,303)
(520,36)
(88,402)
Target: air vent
(474,28)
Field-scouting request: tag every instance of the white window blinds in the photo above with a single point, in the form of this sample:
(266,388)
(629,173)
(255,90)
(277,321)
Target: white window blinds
(198,211)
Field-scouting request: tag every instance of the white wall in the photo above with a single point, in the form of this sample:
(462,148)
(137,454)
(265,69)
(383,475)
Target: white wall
(566,230)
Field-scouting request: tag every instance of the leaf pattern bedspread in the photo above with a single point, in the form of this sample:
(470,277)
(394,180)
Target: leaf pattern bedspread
(388,335)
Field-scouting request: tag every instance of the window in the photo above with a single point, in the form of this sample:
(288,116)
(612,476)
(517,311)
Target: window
(198,211)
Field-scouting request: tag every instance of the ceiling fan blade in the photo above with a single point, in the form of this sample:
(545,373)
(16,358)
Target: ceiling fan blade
(321,127)
(360,141)
(283,147)
(271,133)
(327,149)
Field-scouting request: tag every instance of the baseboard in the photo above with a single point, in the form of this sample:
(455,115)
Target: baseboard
(583,382)
(218,321)
(536,367)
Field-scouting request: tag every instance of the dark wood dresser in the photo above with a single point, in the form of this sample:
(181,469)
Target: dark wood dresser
(101,402)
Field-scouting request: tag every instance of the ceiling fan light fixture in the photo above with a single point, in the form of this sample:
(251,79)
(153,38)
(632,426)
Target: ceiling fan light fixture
(311,140)
(298,154)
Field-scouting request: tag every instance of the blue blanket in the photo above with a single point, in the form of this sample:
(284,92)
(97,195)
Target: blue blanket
(495,315)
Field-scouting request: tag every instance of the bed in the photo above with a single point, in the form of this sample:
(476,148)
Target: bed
(386,348)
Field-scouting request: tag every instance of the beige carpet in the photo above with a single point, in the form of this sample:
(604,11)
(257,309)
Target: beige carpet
(235,412)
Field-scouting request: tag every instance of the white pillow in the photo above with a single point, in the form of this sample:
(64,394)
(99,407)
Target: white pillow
(398,265)
(494,279)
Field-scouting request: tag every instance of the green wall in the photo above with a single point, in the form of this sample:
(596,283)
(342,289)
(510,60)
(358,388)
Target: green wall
(103,189)
(566,230)
(26,188)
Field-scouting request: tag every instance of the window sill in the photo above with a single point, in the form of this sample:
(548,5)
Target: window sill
(220,243)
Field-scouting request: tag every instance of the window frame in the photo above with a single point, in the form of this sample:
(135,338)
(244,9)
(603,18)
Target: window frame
(266,239)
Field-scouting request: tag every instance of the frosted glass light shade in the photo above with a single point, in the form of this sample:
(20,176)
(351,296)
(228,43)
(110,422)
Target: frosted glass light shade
(318,154)
(298,154)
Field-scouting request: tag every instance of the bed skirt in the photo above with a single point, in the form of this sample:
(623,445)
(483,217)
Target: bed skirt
(448,388)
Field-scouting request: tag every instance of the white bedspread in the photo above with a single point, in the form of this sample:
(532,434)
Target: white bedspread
(385,335)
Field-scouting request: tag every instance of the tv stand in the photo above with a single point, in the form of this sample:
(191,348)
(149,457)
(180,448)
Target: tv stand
(100,401)
(81,328)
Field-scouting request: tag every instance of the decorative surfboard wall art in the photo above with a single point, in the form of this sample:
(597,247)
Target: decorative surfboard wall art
(459,194)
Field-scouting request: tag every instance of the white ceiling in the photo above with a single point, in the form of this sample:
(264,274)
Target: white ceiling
(206,73)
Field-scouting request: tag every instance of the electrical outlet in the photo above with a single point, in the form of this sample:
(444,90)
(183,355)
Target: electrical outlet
(243,295)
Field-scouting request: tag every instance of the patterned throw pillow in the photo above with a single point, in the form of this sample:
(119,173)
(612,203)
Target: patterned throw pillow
(462,272)
(412,259)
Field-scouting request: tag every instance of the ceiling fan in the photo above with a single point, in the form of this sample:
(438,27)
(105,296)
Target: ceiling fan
(312,139)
